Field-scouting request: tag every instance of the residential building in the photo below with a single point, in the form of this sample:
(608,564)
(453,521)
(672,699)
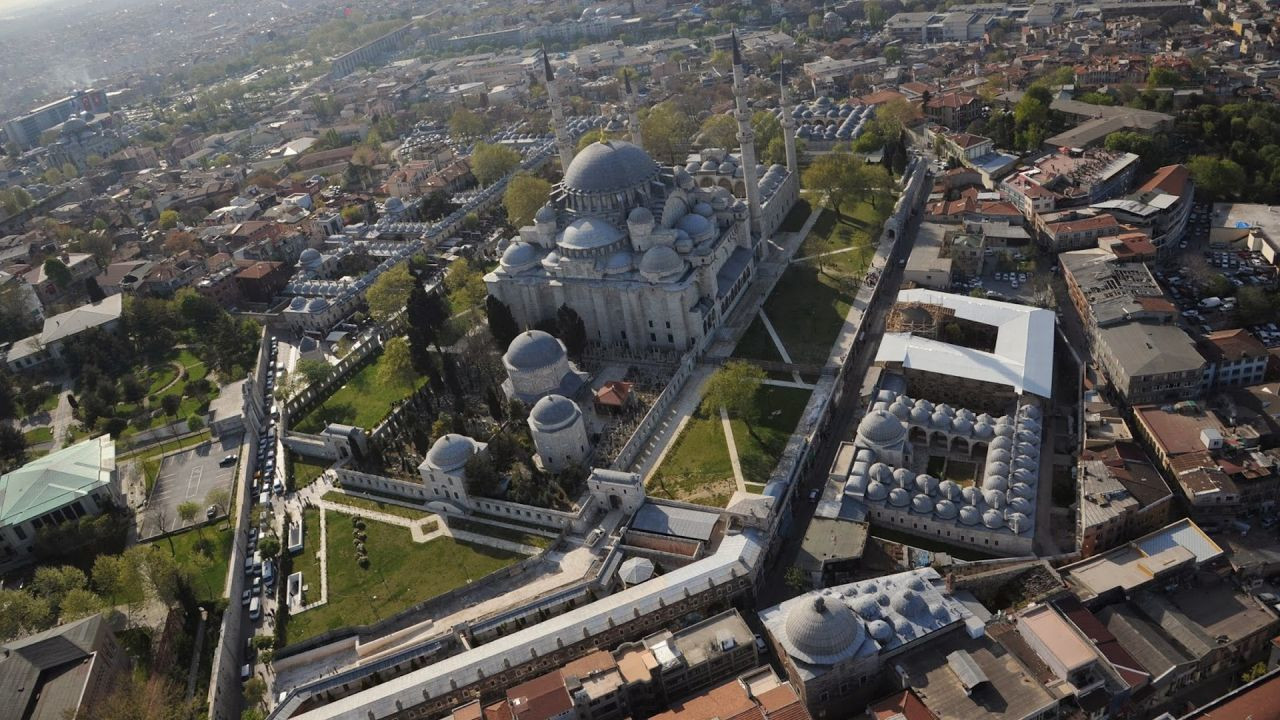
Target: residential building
(1149,363)
(65,485)
(63,672)
(954,109)
(262,281)
(1107,291)
(1233,358)
(47,345)
(1120,495)
(1159,207)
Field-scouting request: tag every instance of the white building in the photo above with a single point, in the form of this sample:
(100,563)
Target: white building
(444,469)
(537,365)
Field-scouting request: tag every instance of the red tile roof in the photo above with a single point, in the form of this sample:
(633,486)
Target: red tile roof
(904,704)
(1170,178)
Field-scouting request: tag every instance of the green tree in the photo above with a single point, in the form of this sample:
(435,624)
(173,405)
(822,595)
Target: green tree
(312,370)
(168,219)
(57,272)
(396,365)
(53,176)
(188,510)
(466,125)
(734,387)
(525,194)
(388,294)
(22,613)
(352,214)
(1219,178)
(720,131)
(796,579)
(170,404)
(79,603)
(1258,670)
(255,689)
(1163,77)
(269,546)
(220,498)
(489,163)
(502,324)
(667,129)
(466,286)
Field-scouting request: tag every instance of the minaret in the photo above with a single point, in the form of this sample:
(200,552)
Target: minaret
(563,141)
(746,140)
(633,120)
(788,122)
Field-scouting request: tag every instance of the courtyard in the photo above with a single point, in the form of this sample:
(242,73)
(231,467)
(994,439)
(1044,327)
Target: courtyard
(362,402)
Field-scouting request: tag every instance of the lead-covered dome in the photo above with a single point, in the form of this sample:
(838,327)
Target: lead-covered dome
(589,233)
(533,350)
(880,427)
(519,256)
(822,631)
(609,166)
(553,412)
(660,262)
(451,452)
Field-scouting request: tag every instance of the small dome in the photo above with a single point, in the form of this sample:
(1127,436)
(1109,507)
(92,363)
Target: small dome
(726,168)
(660,262)
(317,305)
(993,519)
(880,631)
(900,409)
(533,350)
(1030,450)
(310,258)
(1004,430)
(983,431)
(881,472)
(904,478)
(546,215)
(1022,490)
(553,412)
(922,403)
(1001,443)
(519,256)
(967,414)
(640,215)
(947,410)
(696,225)
(926,484)
(940,420)
(998,455)
(589,233)
(908,603)
(945,509)
(867,608)
(997,468)
(822,631)
(971,495)
(1031,411)
(969,515)
(1025,463)
(709,166)
(962,426)
(948,489)
(881,428)
(919,416)
(1020,504)
(1023,475)
(899,497)
(922,504)
(877,490)
(298,303)
(703,209)
(451,452)
(1018,522)
(995,498)
(995,482)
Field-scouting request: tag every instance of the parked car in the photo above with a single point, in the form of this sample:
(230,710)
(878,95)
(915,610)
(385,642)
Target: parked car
(227,461)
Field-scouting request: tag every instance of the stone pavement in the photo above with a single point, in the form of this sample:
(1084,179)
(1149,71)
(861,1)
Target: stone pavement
(733,450)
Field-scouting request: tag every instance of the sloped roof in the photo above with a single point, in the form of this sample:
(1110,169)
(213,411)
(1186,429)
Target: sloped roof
(1023,356)
(56,479)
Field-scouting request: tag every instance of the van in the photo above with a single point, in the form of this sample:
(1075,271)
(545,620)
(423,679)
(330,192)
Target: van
(268,573)
(257,561)
(255,608)
(265,498)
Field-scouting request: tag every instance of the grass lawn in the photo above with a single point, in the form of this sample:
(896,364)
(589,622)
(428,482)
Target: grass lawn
(337,496)
(305,472)
(51,400)
(306,561)
(756,344)
(857,227)
(204,552)
(698,468)
(808,309)
(39,435)
(400,574)
(362,402)
(159,377)
(501,533)
(779,411)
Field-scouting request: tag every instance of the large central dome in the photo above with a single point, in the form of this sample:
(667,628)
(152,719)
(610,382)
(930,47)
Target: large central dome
(822,631)
(609,166)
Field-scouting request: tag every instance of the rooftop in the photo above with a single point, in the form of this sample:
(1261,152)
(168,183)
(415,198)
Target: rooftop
(1058,637)
(1149,349)
(1146,559)
(1023,356)
(56,479)
(1177,433)
(69,323)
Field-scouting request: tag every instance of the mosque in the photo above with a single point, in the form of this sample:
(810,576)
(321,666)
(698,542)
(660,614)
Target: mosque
(650,257)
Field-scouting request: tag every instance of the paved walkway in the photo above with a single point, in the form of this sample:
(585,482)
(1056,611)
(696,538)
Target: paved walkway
(777,344)
(789,384)
(824,254)
(733,450)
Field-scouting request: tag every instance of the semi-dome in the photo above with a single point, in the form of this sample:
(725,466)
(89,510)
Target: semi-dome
(696,225)
(880,427)
(660,262)
(451,452)
(553,412)
(822,631)
(519,256)
(589,233)
(609,166)
(533,350)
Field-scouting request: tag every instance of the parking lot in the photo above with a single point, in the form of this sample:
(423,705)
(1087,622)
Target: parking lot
(189,476)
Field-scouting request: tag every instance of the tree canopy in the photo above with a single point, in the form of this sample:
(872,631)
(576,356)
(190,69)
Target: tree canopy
(525,194)
(388,294)
(734,387)
(490,162)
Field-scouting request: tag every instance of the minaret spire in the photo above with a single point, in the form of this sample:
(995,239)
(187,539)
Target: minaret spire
(746,140)
(558,126)
(633,119)
(788,122)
